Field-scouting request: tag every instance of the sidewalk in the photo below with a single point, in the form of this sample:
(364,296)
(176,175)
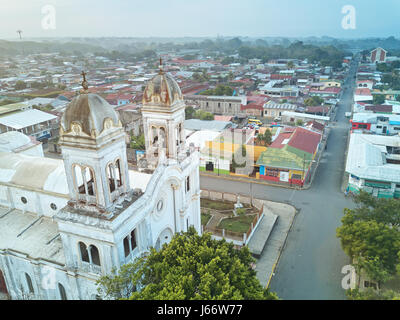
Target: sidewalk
(266,264)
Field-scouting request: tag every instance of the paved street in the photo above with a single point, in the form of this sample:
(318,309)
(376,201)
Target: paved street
(311,263)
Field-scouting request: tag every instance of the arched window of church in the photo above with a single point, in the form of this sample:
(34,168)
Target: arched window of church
(29,283)
(84,252)
(130,243)
(133,240)
(118,175)
(89,175)
(127,250)
(94,254)
(110,177)
(61,290)
(154,135)
(163,137)
(79,179)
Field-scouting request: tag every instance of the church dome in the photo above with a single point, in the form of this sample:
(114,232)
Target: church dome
(162,89)
(89,111)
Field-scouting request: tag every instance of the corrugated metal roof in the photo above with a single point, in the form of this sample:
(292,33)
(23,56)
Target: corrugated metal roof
(26,118)
(366,159)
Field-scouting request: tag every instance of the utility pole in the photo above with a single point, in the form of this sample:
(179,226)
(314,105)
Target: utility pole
(304,162)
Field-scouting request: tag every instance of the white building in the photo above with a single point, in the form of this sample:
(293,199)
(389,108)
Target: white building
(373,164)
(64,223)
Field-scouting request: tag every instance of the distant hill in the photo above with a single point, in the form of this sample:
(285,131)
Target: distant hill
(10,48)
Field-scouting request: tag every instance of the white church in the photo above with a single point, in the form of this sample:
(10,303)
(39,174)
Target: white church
(65,223)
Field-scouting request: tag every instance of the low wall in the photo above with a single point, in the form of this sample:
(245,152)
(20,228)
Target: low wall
(231,197)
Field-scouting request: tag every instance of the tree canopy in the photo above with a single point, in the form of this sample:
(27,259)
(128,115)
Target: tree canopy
(370,237)
(190,267)
(313,101)
(264,139)
(220,90)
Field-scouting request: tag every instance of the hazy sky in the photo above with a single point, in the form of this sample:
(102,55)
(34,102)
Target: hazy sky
(177,18)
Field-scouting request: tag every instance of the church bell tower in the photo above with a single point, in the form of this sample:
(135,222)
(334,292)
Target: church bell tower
(163,114)
(93,146)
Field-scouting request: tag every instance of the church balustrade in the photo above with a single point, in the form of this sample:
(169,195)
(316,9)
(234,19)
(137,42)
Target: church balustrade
(86,198)
(90,267)
(132,255)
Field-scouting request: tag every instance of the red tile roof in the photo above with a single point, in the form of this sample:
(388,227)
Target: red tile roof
(305,140)
(363,92)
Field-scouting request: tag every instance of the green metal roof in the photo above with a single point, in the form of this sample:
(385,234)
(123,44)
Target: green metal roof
(287,157)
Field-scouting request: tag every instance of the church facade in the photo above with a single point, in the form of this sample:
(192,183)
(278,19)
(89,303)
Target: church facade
(65,223)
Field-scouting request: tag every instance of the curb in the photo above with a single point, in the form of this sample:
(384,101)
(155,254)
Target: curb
(283,246)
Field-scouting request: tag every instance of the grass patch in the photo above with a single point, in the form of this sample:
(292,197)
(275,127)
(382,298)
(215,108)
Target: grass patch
(205,217)
(239,224)
(216,205)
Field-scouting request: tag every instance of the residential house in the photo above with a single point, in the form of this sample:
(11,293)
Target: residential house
(273,109)
(289,158)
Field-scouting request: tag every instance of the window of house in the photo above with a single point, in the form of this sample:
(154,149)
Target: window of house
(29,283)
(296,176)
(368,284)
(130,243)
(272,172)
(23,200)
(53,206)
(61,290)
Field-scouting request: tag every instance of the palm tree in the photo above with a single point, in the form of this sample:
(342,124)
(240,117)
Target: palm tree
(19,32)
(264,139)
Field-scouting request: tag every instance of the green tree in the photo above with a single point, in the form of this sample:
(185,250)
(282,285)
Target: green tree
(370,236)
(313,101)
(378,99)
(299,122)
(203,115)
(290,65)
(138,142)
(189,112)
(264,139)
(371,294)
(368,208)
(20,85)
(190,267)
